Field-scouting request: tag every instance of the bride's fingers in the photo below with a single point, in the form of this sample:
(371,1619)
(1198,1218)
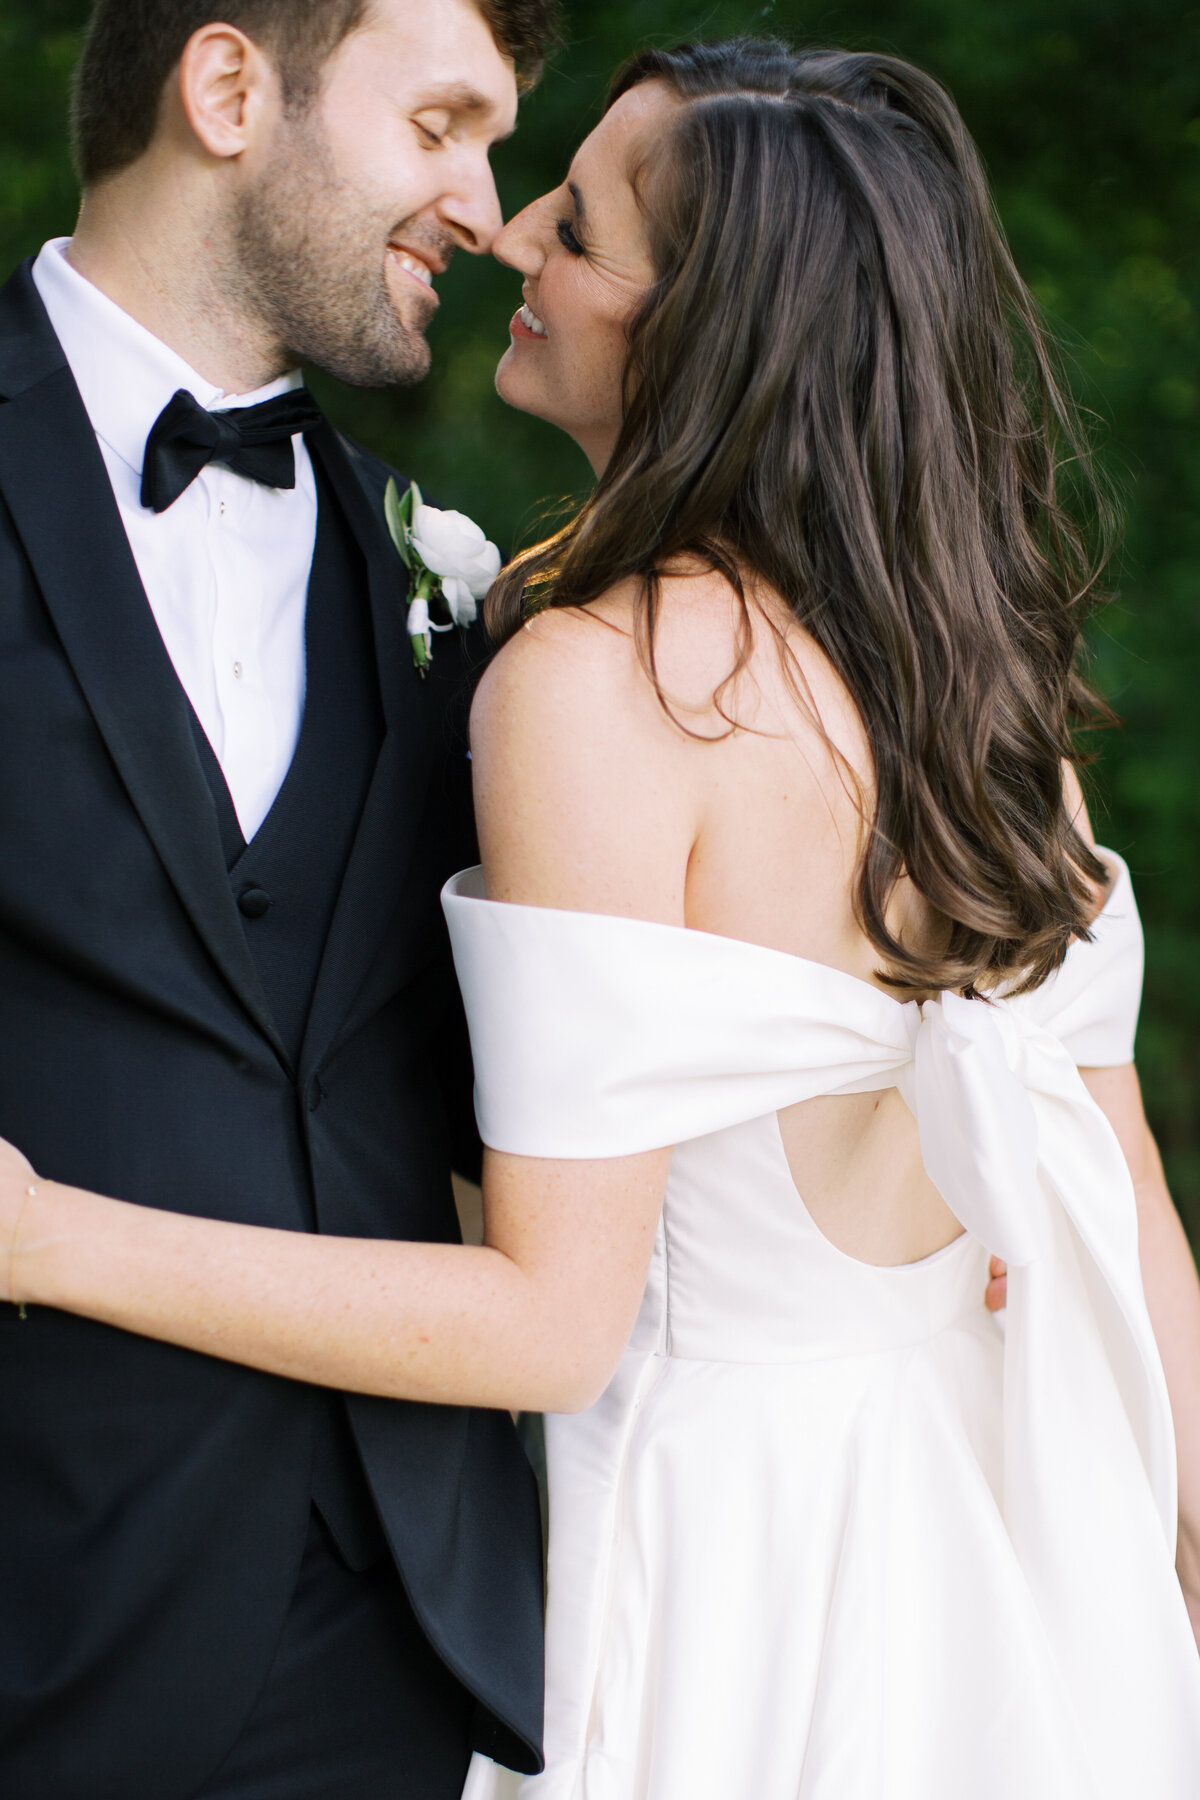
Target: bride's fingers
(997,1288)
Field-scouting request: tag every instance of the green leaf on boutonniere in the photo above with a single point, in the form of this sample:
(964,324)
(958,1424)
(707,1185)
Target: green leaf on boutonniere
(398,514)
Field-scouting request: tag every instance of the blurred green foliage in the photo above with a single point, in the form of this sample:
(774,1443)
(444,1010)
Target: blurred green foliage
(1088,114)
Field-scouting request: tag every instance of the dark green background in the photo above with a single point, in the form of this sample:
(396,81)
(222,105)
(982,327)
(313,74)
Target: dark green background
(1088,113)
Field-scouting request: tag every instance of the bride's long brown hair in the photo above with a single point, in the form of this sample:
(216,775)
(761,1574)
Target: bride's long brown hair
(839,385)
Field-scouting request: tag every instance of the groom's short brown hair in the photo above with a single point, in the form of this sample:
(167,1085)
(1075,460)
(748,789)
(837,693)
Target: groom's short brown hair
(132,45)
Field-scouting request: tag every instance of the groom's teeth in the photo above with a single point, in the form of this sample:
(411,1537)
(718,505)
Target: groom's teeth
(532,323)
(415,266)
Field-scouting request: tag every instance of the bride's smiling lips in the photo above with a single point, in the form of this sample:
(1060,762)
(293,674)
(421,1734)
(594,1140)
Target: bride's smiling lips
(526,324)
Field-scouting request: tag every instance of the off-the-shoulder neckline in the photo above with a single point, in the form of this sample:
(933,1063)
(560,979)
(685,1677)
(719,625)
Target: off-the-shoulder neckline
(453,892)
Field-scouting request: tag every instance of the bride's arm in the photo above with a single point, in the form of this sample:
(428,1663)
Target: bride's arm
(576,808)
(533,1321)
(1172,1297)
(1169,1276)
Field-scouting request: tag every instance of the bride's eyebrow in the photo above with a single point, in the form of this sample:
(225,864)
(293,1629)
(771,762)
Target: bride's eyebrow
(580,208)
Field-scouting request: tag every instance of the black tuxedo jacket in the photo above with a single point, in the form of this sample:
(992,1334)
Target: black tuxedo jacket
(153,1502)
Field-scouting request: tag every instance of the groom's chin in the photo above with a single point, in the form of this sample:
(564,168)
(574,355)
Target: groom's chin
(414,357)
(391,353)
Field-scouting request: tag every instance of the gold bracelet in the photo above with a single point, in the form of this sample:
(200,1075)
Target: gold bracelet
(30,1194)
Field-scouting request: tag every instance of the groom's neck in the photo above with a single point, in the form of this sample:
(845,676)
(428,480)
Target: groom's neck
(156,250)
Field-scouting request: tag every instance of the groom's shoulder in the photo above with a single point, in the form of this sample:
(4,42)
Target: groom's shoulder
(371,470)
(374,473)
(29,350)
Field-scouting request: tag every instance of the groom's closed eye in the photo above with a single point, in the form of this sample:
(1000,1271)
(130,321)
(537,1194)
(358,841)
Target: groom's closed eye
(455,102)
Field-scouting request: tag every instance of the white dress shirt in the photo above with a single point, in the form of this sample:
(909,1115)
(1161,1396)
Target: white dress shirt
(225,569)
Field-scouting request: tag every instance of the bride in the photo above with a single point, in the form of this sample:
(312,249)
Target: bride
(789,938)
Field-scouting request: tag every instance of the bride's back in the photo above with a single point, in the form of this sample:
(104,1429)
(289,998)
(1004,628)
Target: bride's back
(787,792)
(735,809)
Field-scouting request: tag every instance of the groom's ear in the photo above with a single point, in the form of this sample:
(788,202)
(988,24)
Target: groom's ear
(226,87)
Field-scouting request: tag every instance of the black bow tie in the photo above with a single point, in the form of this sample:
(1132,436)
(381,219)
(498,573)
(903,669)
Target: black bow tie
(254,440)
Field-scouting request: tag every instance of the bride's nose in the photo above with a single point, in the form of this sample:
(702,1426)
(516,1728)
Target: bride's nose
(521,244)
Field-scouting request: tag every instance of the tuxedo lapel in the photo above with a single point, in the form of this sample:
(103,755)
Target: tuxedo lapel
(375,875)
(57,490)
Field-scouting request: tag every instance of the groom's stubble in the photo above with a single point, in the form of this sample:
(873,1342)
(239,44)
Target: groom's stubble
(308,260)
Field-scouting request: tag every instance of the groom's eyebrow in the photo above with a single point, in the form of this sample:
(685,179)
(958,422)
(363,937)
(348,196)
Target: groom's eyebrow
(461,97)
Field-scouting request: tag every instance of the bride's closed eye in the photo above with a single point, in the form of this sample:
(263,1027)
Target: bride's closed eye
(568,239)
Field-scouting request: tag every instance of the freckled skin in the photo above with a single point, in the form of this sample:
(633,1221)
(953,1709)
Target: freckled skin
(572,377)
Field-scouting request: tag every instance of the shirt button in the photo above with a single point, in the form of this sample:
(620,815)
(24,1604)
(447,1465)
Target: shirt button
(254,902)
(238,671)
(222,509)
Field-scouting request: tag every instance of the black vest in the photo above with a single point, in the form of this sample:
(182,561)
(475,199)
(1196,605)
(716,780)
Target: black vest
(286,882)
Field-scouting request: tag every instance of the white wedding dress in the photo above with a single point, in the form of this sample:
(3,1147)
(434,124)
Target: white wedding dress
(832,1533)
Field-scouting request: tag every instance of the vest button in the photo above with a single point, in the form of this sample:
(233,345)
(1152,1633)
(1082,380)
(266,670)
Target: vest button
(255,902)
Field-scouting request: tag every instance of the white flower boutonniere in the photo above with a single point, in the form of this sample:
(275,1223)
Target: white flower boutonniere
(451,562)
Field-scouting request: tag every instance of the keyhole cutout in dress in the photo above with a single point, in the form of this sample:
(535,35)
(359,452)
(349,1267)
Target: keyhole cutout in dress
(856,1163)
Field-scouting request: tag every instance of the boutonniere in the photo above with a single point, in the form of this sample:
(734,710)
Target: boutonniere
(451,563)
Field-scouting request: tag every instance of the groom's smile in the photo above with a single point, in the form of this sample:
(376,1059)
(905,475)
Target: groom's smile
(412,265)
(416,255)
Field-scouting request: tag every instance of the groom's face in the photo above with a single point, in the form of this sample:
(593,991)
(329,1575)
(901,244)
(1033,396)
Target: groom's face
(359,201)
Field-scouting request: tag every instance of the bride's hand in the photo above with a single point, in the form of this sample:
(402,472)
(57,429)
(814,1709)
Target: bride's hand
(16,1178)
(997,1288)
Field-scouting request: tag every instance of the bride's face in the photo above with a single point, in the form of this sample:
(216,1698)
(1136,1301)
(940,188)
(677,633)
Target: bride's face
(583,252)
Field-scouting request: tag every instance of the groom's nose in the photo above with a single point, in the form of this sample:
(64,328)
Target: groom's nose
(470,208)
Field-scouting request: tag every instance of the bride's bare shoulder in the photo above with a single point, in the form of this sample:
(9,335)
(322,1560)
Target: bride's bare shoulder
(586,792)
(560,657)
(570,668)
(569,663)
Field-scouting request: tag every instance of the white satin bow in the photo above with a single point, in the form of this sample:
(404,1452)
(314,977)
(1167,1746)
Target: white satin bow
(979,1129)
(1030,1166)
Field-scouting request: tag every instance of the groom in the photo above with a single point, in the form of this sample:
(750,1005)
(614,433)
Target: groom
(226,810)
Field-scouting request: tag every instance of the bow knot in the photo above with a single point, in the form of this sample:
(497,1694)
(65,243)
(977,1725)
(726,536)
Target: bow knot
(978,1128)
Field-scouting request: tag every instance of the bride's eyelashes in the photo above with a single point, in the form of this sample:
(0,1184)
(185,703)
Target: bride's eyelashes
(568,239)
